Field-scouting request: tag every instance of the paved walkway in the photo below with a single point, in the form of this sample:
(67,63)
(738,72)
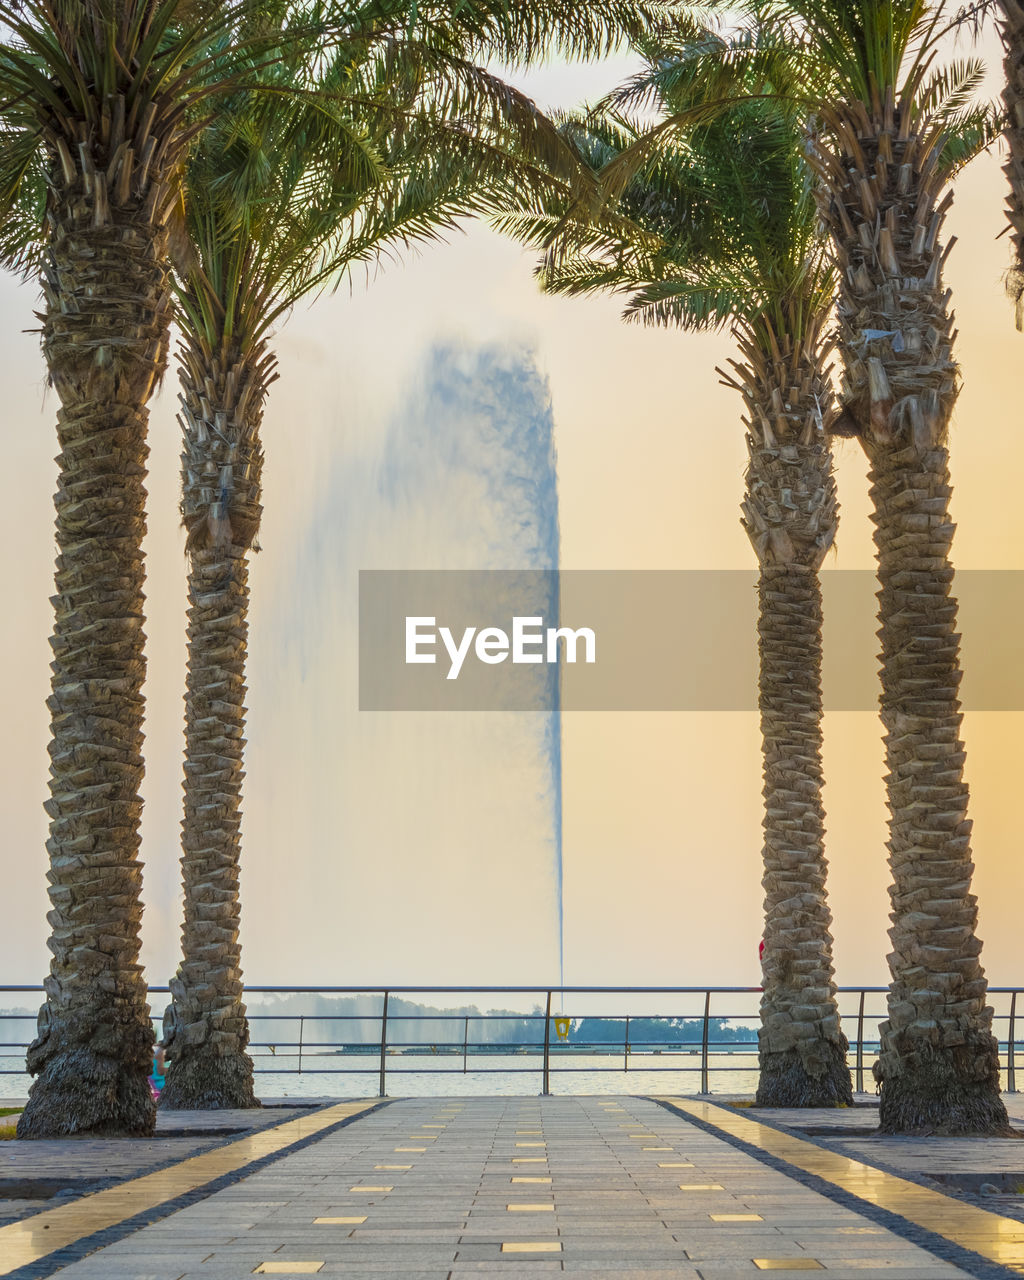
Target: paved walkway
(443,1189)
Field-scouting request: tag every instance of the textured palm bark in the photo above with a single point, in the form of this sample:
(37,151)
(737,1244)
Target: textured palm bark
(938,1068)
(1011,28)
(105,324)
(205,1027)
(790,515)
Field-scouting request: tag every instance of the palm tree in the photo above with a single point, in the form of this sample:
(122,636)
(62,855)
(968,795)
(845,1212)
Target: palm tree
(894,133)
(92,97)
(99,100)
(281,196)
(721,231)
(886,134)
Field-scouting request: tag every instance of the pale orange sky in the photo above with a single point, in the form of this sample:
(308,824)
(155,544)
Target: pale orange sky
(662,812)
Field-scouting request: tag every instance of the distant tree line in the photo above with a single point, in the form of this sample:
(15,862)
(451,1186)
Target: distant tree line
(656,1031)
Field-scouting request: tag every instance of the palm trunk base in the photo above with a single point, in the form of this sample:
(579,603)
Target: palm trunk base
(200,1080)
(942,1094)
(784,1080)
(83,1094)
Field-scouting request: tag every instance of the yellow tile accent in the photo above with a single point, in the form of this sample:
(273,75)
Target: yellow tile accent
(788,1264)
(382,1167)
(676,1164)
(22,1243)
(530,1208)
(371,1188)
(408,1149)
(999,1239)
(656,1149)
(701,1186)
(531,1179)
(534,1246)
(422,1137)
(288,1268)
(435,1126)
(526,1132)
(529,1159)
(735,1217)
(531,1144)
(338,1221)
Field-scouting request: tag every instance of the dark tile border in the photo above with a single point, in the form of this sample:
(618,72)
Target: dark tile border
(974,1264)
(100,1239)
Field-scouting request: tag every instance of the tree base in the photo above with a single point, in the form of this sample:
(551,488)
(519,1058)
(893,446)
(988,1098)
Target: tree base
(202,1081)
(931,1101)
(78,1093)
(784,1081)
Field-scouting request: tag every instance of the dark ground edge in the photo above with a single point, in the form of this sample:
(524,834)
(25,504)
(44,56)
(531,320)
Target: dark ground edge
(110,1235)
(975,1264)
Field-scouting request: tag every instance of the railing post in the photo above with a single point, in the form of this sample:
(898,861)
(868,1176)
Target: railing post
(383,1047)
(860,1044)
(302,1022)
(465,1044)
(1011,1036)
(704,1045)
(546,1085)
(625,1047)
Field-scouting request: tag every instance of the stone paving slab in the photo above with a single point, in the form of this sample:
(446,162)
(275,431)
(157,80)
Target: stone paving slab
(927,1212)
(76,1228)
(611,1209)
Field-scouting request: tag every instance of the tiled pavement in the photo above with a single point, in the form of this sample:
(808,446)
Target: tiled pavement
(432,1189)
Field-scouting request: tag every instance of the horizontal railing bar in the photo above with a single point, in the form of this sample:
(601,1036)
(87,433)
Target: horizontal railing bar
(446,990)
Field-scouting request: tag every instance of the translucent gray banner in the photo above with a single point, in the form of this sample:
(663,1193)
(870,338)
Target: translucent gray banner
(672,640)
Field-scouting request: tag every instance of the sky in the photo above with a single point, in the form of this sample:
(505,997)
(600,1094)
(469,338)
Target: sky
(378,850)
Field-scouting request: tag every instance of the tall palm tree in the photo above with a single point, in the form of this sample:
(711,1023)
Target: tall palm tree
(92,98)
(894,132)
(98,102)
(282,195)
(722,232)
(886,134)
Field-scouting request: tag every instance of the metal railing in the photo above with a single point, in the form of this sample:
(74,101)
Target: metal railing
(710,1030)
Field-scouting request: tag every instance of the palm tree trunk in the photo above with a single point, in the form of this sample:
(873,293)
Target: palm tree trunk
(938,1067)
(205,1027)
(105,326)
(1012,31)
(207,1031)
(802,1051)
(790,514)
(939,1064)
